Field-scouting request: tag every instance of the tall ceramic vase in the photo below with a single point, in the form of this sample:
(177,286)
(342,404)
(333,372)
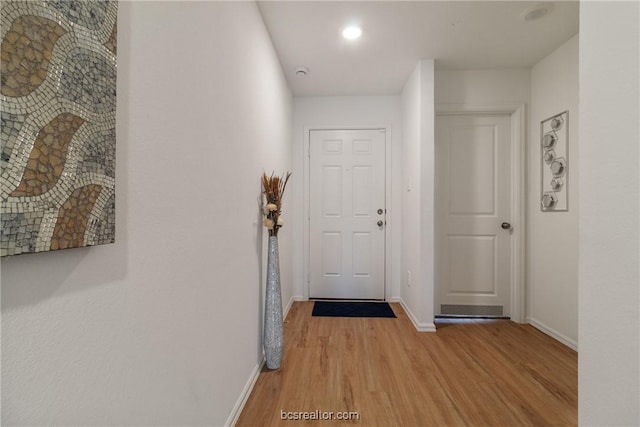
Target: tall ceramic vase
(273,328)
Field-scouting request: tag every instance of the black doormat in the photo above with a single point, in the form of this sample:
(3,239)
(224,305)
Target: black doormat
(352,309)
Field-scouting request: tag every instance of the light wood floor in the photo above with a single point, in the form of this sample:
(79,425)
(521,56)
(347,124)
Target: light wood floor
(468,373)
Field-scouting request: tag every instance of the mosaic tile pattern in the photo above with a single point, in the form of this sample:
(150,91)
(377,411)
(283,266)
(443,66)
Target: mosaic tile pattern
(88,80)
(10,129)
(98,155)
(48,156)
(73,218)
(103,228)
(26,52)
(89,14)
(22,228)
(57,111)
(111,44)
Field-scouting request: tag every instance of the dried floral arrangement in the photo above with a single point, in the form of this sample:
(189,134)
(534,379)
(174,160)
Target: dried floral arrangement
(273,187)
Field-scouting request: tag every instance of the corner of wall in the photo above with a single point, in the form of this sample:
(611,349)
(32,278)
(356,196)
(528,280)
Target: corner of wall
(552,285)
(232,419)
(420,326)
(416,290)
(558,336)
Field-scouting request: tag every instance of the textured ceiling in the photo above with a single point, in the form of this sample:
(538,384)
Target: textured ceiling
(457,34)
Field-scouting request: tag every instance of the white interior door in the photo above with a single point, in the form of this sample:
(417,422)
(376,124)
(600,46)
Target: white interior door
(347,214)
(473,200)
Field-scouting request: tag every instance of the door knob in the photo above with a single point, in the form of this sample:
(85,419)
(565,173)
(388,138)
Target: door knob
(380,223)
(505,226)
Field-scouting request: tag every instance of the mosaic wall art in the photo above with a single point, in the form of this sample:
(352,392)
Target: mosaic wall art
(58,116)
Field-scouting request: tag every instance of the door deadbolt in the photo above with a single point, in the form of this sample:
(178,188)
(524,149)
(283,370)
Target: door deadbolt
(380,211)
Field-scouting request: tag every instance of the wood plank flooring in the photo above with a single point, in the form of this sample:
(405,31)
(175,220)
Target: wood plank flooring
(468,373)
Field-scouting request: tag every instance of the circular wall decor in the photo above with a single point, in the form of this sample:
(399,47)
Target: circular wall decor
(549,140)
(554,161)
(556,184)
(549,156)
(557,167)
(549,200)
(556,123)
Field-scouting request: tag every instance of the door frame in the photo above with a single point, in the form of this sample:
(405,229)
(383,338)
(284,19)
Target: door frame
(307,202)
(517,112)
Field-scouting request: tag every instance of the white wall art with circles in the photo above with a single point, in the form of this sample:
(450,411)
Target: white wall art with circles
(554,163)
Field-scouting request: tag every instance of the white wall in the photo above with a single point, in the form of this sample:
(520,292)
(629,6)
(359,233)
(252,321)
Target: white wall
(346,111)
(552,277)
(418,109)
(163,327)
(609,214)
(494,87)
(427,193)
(411,227)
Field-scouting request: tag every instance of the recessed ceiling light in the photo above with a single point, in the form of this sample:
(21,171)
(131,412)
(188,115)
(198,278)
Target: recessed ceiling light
(302,71)
(352,32)
(536,11)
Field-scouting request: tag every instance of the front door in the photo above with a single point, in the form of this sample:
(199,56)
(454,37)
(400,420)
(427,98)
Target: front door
(347,214)
(473,214)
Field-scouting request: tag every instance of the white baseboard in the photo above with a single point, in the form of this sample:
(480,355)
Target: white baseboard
(553,333)
(293,299)
(248,388)
(244,395)
(287,308)
(420,327)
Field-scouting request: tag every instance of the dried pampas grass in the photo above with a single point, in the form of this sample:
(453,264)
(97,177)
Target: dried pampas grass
(273,187)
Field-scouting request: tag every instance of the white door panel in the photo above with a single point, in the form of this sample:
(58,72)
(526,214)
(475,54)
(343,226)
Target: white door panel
(347,187)
(472,265)
(473,199)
